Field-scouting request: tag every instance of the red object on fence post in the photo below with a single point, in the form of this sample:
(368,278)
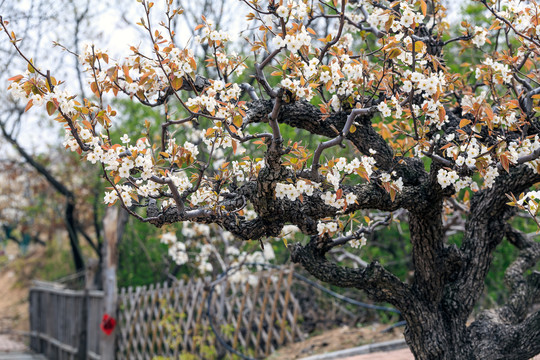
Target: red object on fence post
(108,324)
(114,223)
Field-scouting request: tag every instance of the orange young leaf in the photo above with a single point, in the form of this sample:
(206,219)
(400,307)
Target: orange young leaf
(392,194)
(505,162)
(442,113)
(177,83)
(29,105)
(16,78)
(394,53)
(464,122)
(51,108)
(494,25)
(423,6)
(489,111)
(237,121)
(446,146)
(87,124)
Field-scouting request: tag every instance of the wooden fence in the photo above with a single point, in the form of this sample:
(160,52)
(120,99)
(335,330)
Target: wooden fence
(57,319)
(161,320)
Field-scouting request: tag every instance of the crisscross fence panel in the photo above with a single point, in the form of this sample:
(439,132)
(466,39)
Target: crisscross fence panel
(255,317)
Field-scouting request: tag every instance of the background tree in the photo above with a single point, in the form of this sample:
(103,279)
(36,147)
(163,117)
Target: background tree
(426,140)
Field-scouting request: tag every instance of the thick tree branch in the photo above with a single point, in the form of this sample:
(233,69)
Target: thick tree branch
(338,139)
(378,283)
(495,340)
(303,115)
(278,212)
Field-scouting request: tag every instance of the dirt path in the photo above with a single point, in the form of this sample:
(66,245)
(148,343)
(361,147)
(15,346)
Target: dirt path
(8,345)
(403,354)
(336,339)
(13,303)
(12,349)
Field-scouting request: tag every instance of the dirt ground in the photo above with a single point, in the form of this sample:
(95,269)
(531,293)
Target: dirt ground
(403,354)
(10,344)
(337,339)
(13,302)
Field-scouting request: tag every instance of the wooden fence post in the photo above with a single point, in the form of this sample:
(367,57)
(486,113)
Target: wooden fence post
(82,351)
(113,225)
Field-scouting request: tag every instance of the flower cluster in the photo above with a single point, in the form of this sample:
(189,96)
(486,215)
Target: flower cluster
(530,202)
(329,227)
(246,168)
(177,249)
(293,42)
(480,36)
(396,184)
(294,86)
(338,201)
(296,9)
(203,257)
(292,192)
(491,69)
(358,243)
(38,95)
(342,75)
(378,17)
(524,148)
(216,100)
(243,275)
(446,178)
(363,167)
(409,17)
